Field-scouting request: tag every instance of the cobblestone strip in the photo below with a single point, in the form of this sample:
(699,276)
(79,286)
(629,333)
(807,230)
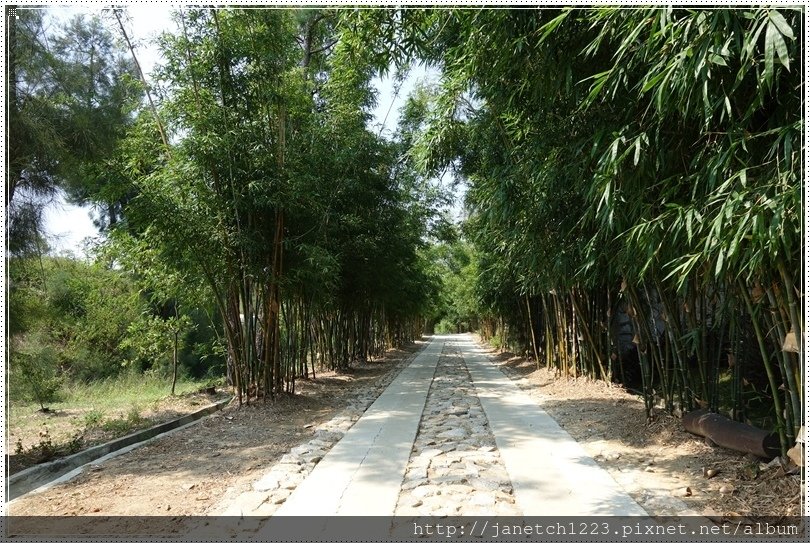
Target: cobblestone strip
(277,483)
(455,467)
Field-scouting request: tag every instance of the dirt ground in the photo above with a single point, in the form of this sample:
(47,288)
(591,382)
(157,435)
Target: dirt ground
(65,430)
(189,472)
(659,458)
(186,473)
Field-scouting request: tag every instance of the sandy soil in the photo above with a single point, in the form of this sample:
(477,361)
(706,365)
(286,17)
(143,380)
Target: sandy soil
(658,460)
(186,473)
(189,472)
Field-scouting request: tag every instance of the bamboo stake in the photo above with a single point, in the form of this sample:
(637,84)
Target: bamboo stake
(146,88)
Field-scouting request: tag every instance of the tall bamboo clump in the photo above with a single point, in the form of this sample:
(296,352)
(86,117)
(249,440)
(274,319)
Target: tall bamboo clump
(277,196)
(731,351)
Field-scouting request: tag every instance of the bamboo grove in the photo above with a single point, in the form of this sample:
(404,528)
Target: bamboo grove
(634,191)
(250,179)
(632,212)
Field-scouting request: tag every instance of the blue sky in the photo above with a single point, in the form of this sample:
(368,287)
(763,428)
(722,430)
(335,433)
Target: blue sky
(68,226)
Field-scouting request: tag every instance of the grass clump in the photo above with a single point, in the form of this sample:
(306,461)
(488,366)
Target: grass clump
(93,418)
(123,391)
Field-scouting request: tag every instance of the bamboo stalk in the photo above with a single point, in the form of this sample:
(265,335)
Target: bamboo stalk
(695,330)
(714,399)
(738,408)
(531,327)
(792,402)
(777,403)
(146,87)
(658,357)
(643,358)
(796,325)
(589,338)
(608,313)
(704,349)
(675,333)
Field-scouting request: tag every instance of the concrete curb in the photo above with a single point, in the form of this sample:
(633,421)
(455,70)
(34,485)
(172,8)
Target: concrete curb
(39,475)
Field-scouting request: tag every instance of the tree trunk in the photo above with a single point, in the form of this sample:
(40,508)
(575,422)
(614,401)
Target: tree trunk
(174,361)
(12,175)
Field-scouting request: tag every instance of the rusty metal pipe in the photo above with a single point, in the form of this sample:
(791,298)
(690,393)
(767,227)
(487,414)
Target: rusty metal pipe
(730,434)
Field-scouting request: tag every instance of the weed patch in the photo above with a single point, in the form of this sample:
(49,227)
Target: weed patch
(90,414)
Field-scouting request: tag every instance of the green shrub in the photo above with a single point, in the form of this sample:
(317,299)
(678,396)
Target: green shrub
(446,326)
(34,373)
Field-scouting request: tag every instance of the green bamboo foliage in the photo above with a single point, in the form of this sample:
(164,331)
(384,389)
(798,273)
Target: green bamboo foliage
(633,191)
(304,226)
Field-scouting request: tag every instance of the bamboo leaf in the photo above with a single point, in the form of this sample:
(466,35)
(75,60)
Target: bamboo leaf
(707,107)
(652,82)
(599,81)
(781,50)
(550,26)
(719,267)
(780,23)
(750,42)
(743,227)
(689,215)
(770,52)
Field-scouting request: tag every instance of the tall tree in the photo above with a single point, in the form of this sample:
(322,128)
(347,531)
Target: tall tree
(70,100)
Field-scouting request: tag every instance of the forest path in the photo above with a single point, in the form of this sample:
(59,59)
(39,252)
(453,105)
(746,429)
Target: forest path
(362,473)
(451,435)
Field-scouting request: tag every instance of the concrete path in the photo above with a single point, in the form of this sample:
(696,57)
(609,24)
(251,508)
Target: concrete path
(362,473)
(551,474)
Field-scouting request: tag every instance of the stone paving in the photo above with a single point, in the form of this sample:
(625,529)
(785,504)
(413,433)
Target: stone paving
(455,467)
(277,483)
